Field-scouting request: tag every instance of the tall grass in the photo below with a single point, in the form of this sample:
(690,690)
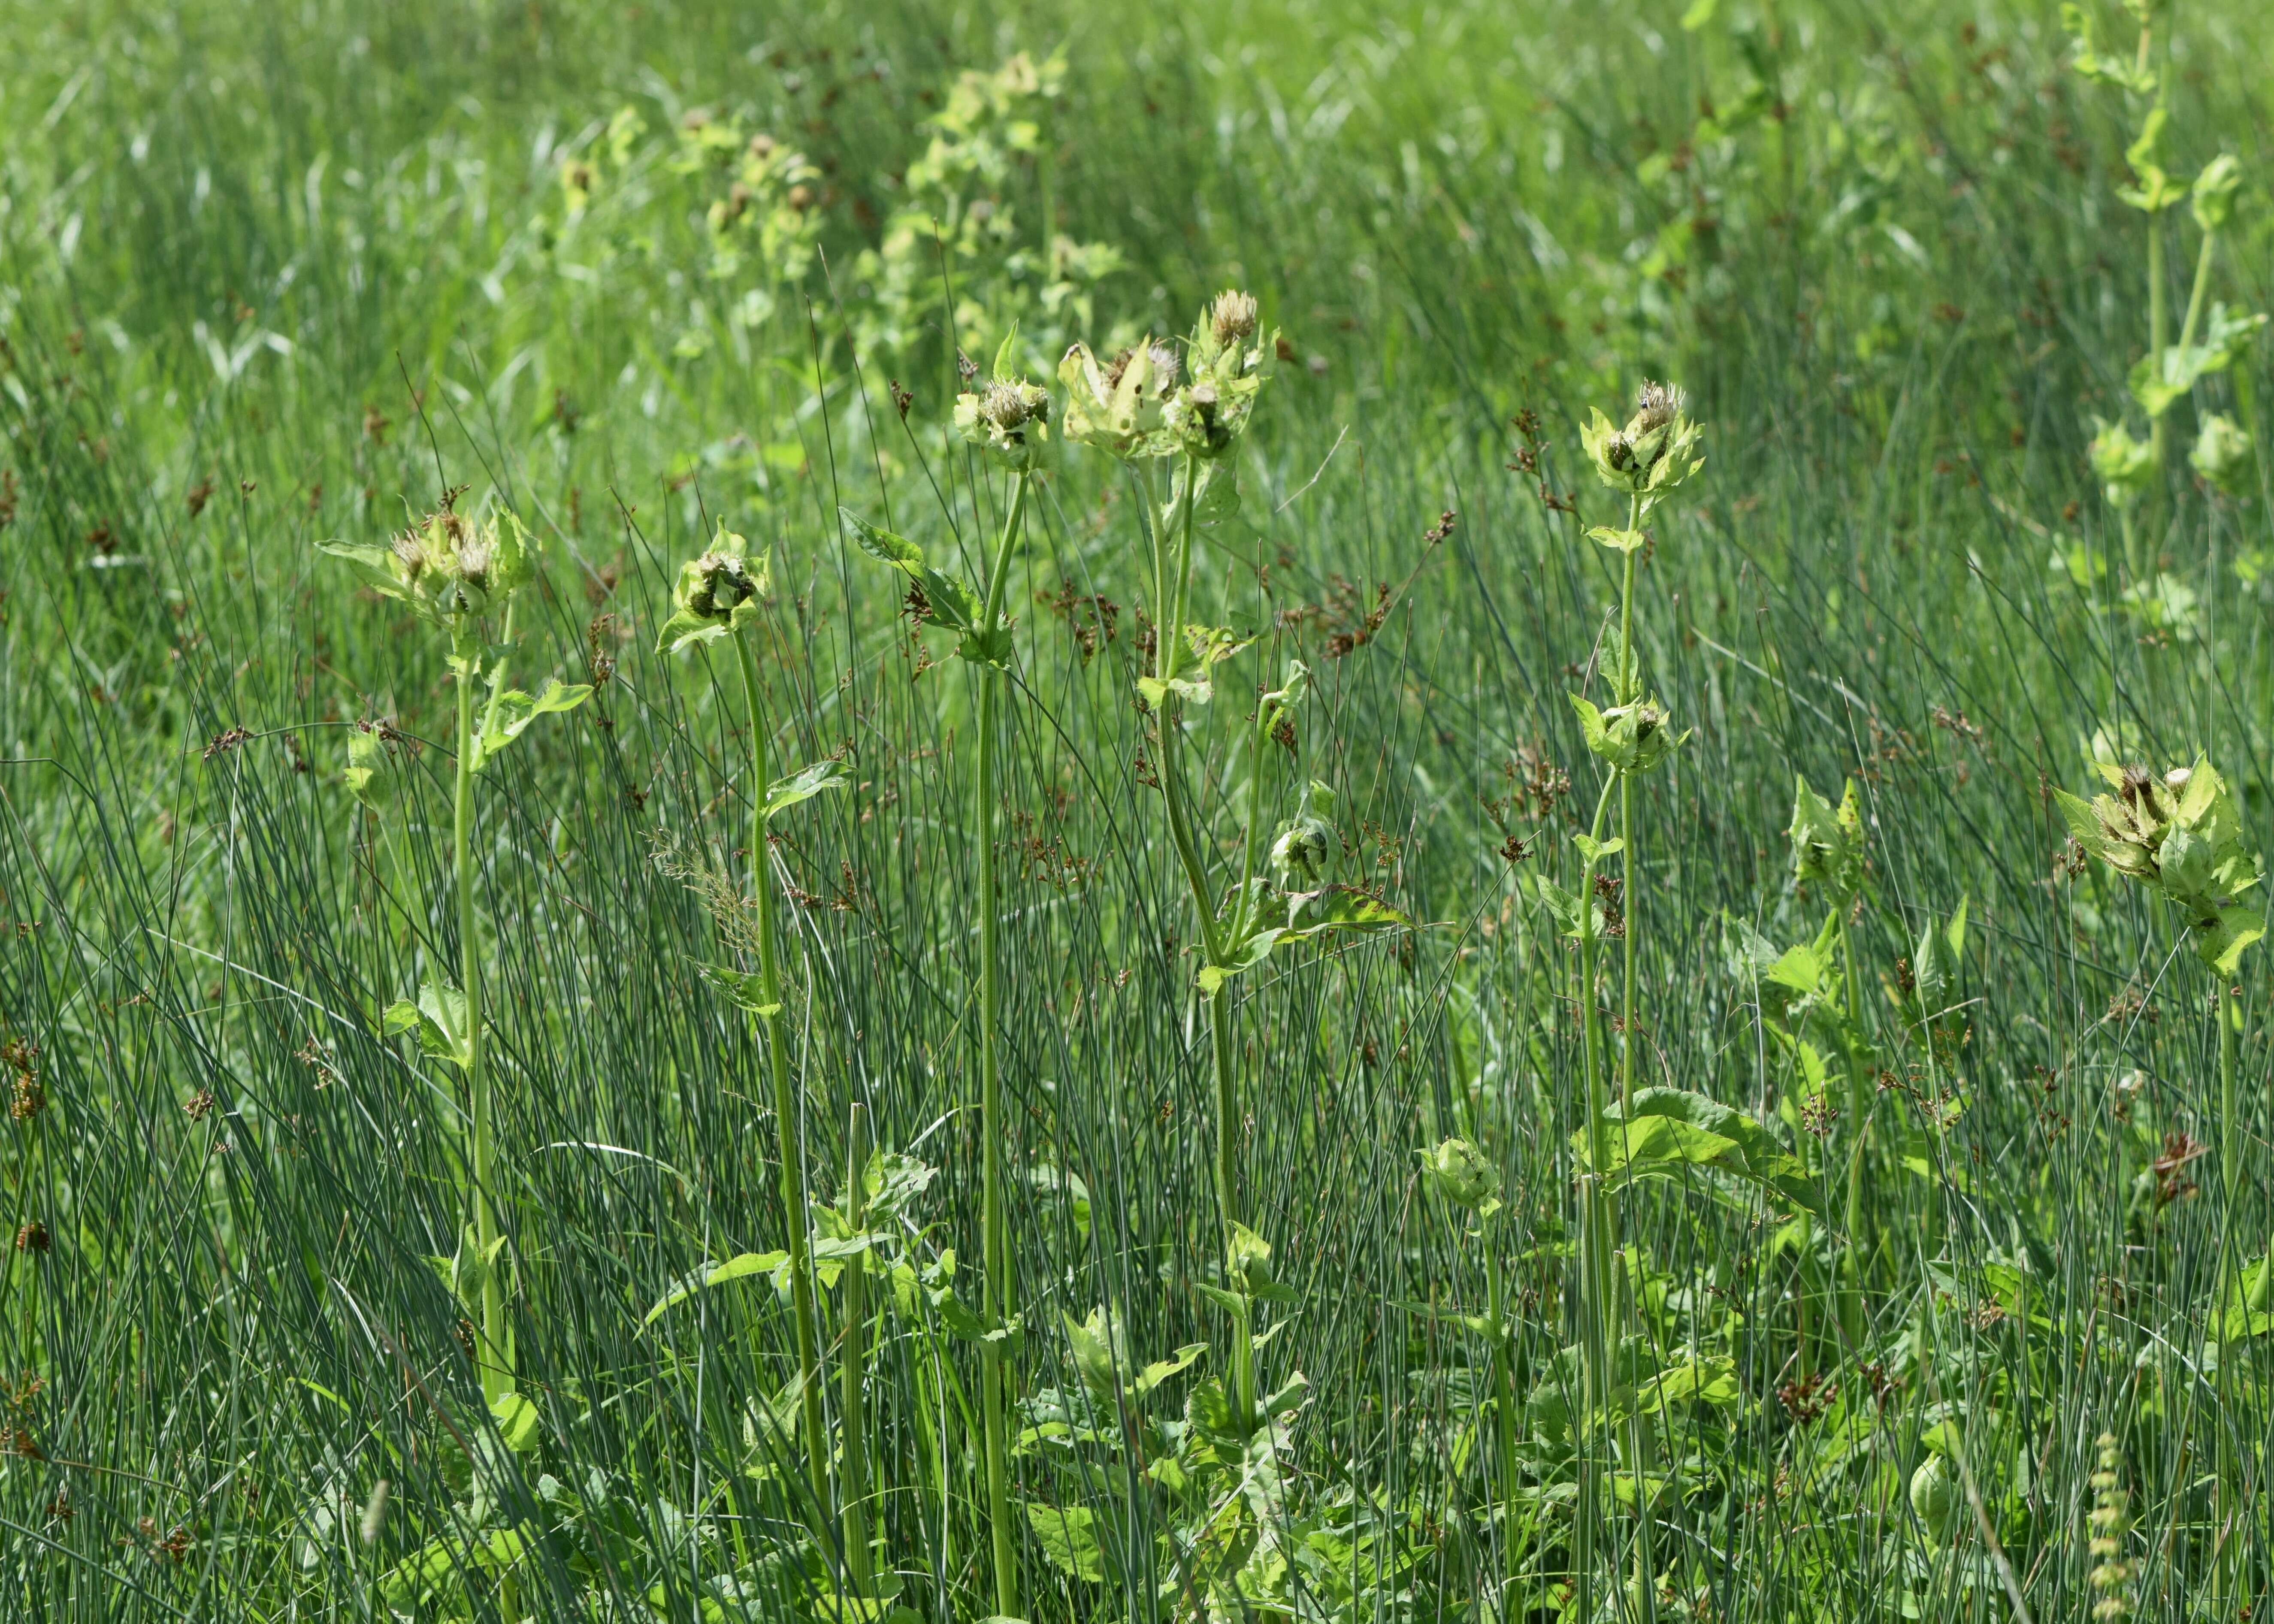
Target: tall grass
(267,281)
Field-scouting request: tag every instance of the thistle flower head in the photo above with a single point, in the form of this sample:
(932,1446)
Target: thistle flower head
(2124,465)
(1629,738)
(1233,317)
(2223,455)
(1207,414)
(1118,407)
(1007,418)
(1654,451)
(451,570)
(2182,834)
(718,593)
(1460,1172)
(1827,845)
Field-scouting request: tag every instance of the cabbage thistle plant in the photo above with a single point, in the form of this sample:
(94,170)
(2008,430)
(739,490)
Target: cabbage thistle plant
(456,573)
(720,596)
(1007,420)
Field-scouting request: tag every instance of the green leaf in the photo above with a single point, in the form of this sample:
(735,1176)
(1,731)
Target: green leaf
(516,1421)
(1340,907)
(741,1267)
(1669,1128)
(748,991)
(511,712)
(1618,540)
(804,785)
(371,776)
(398,1017)
(1594,851)
(1199,690)
(1069,1538)
(1160,1370)
(371,562)
(2221,940)
(947,600)
(444,1033)
(1246,956)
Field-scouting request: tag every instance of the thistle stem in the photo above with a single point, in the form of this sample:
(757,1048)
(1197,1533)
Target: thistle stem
(495,1361)
(995,1243)
(1595,1238)
(799,1244)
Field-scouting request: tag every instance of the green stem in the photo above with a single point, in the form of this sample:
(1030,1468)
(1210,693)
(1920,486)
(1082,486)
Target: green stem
(995,1241)
(495,1360)
(786,1116)
(1859,1110)
(852,1364)
(1594,1237)
(2232,1140)
(1630,691)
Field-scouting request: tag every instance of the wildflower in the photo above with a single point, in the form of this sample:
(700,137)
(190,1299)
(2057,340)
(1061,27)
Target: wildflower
(2223,455)
(2182,834)
(1827,847)
(1655,451)
(2124,464)
(1232,317)
(1457,1171)
(716,594)
(1008,418)
(1209,413)
(1117,408)
(449,569)
(1632,738)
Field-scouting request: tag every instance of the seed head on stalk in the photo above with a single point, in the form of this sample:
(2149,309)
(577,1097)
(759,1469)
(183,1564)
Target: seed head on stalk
(1007,418)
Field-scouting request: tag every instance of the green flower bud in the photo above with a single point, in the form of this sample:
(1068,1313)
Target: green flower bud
(1010,419)
(371,776)
(2124,464)
(1937,1499)
(451,570)
(1655,451)
(1457,1171)
(1207,416)
(1632,738)
(716,594)
(2214,191)
(1827,847)
(1303,845)
(2223,455)
(2183,835)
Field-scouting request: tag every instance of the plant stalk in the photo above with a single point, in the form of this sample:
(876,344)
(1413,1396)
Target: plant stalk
(496,1360)
(799,1242)
(995,1244)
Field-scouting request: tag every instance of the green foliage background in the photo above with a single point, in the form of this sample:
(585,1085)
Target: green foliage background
(1884,253)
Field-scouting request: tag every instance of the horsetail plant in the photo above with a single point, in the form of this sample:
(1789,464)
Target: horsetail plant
(1009,420)
(721,595)
(455,574)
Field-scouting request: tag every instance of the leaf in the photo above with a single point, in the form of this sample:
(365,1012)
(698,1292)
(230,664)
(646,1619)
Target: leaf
(398,1017)
(516,1421)
(443,1032)
(1341,907)
(1620,540)
(804,785)
(1159,1372)
(2224,936)
(1211,644)
(1246,955)
(1199,690)
(1667,1128)
(748,991)
(892,1182)
(741,1267)
(947,600)
(370,561)
(1069,1538)
(1594,851)
(511,712)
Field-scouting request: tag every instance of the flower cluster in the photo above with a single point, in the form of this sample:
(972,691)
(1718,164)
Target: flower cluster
(2182,835)
(716,594)
(1009,418)
(449,569)
(1656,451)
(1457,1171)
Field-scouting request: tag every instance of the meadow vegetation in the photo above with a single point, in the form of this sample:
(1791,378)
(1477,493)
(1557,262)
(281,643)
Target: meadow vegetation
(1288,811)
